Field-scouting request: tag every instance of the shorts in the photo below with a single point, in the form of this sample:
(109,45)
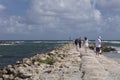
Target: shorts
(97,49)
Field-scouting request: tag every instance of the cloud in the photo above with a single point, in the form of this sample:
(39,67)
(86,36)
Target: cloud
(75,17)
(59,19)
(64,14)
(109,4)
(12,25)
(72,9)
(2,7)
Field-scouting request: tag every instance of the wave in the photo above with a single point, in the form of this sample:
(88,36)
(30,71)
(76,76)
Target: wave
(114,42)
(18,42)
(6,44)
(49,42)
(117,48)
(118,51)
(37,42)
(1,55)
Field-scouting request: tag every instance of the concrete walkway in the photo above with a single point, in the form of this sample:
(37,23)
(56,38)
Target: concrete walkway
(98,67)
(111,66)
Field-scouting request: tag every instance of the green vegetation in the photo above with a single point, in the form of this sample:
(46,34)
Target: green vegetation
(50,61)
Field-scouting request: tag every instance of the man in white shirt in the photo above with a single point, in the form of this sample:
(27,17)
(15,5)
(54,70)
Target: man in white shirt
(98,45)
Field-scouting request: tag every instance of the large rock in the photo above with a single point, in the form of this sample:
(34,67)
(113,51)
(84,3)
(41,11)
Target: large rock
(104,48)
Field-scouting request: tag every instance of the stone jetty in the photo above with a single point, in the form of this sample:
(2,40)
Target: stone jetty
(63,63)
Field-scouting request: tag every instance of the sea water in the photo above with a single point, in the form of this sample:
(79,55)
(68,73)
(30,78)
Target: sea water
(12,51)
(115,55)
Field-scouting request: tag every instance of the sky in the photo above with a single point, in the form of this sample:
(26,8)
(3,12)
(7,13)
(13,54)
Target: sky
(59,19)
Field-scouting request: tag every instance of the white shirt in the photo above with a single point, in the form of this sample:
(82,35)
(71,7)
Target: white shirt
(98,42)
(86,43)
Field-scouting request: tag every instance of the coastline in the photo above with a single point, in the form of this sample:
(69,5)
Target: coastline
(113,55)
(10,53)
(63,63)
(32,68)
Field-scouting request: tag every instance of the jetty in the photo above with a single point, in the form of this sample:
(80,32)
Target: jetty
(63,63)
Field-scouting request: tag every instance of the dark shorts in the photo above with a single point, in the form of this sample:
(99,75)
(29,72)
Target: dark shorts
(97,49)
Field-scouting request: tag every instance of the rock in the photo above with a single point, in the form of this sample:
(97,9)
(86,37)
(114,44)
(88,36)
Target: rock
(51,53)
(36,63)
(1,78)
(11,71)
(9,66)
(61,66)
(11,77)
(18,62)
(43,58)
(23,73)
(48,71)
(5,76)
(104,48)
(21,69)
(28,62)
(4,71)
(92,47)
(108,49)
(25,65)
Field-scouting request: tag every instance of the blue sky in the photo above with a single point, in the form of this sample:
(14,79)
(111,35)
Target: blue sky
(15,7)
(59,19)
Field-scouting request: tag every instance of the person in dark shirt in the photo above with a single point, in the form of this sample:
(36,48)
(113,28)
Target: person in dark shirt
(76,42)
(80,42)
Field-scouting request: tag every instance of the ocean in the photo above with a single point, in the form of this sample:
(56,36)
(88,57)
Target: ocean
(113,55)
(12,51)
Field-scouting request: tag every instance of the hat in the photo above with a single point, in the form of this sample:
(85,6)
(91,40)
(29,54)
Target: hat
(99,37)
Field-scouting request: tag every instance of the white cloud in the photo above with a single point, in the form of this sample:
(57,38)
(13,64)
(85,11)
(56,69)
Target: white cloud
(60,14)
(109,4)
(12,24)
(74,17)
(2,7)
(58,19)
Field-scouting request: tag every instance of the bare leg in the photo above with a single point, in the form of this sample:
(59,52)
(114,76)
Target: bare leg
(97,53)
(85,49)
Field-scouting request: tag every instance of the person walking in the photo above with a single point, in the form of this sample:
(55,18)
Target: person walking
(85,44)
(98,45)
(76,42)
(80,42)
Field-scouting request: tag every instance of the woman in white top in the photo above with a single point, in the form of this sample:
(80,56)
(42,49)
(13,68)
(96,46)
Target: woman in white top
(85,44)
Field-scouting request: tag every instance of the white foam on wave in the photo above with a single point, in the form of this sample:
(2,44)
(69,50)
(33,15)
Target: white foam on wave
(18,42)
(117,48)
(37,41)
(115,42)
(6,44)
(118,51)
(41,41)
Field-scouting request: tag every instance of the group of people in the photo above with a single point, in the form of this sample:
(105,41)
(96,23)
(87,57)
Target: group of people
(85,43)
(79,42)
